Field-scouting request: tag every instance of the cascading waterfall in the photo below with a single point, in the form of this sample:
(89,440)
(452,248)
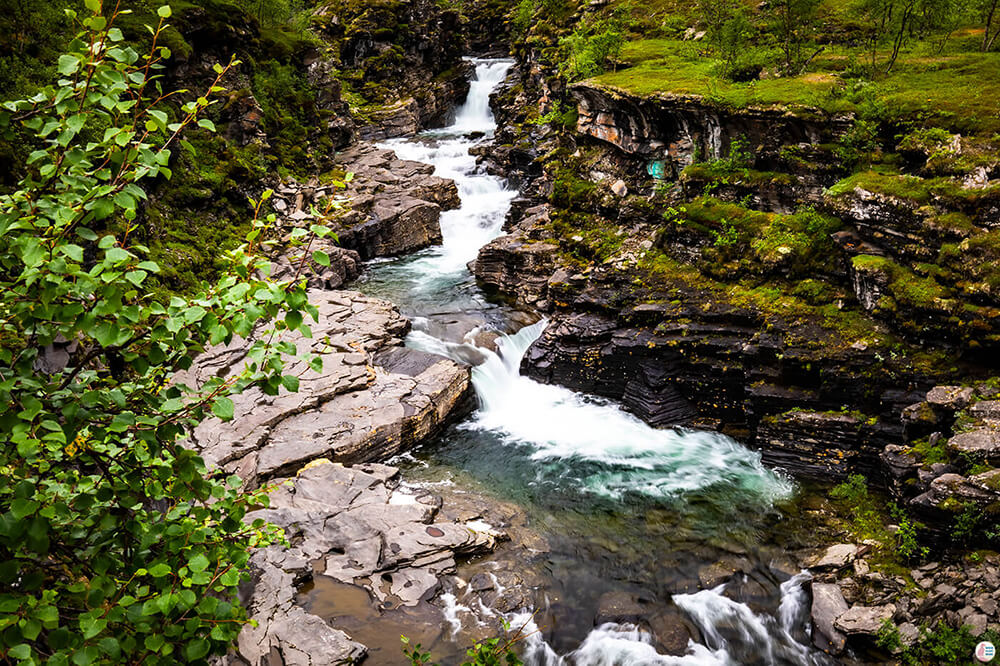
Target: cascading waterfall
(568,443)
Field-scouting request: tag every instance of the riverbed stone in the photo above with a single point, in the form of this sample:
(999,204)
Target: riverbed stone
(864,619)
(827,605)
(373,397)
(344,523)
(837,556)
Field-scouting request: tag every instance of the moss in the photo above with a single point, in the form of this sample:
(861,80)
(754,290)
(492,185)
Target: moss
(904,285)
(930,455)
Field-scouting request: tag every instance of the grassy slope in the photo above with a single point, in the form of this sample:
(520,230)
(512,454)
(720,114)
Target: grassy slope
(956,87)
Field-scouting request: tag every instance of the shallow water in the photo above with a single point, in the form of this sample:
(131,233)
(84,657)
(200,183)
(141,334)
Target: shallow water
(624,508)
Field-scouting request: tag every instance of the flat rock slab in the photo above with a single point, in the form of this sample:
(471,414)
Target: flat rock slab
(864,619)
(372,399)
(950,397)
(837,556)
(355,525)
(983,441)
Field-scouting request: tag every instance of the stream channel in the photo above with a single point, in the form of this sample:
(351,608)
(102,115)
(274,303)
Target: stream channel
(625,511)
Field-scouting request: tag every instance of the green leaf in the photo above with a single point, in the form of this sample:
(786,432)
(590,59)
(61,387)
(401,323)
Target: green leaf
(197,649)
(22,507)
(68,64)
(20,651)
(164,12)
(223,407)
(159,570)
(293,319)
(91,626)
(321,258)
(116,255)
(154,642)
(198,563)
(290,382)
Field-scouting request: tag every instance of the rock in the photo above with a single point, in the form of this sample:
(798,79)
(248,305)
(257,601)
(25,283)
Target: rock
(670,632)
(345,517)
(619,187)
(952,398)
(981,442)
(864,619)
(837,556)
(986,409)
(373,397)
(977,623)
(827,605)
(909,633)
(619,607)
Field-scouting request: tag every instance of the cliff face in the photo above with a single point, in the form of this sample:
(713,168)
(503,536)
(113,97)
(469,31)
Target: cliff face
(680,130)
(717,266)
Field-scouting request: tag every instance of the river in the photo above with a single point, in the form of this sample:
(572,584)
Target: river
(625,509)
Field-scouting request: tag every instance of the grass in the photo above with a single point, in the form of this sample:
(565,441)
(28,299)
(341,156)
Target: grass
(954,89)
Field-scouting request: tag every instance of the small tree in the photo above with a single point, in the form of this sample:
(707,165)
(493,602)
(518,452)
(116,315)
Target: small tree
(791,21)
(116,545)
(592,46)
(989,10)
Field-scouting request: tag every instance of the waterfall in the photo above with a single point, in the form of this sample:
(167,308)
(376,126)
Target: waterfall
(600,446)
(572,445)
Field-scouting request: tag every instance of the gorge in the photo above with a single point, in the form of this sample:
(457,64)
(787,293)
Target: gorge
(526,347)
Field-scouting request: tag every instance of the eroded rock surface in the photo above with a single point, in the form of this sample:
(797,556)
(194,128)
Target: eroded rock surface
(355,525)
(388,207)
(372,399)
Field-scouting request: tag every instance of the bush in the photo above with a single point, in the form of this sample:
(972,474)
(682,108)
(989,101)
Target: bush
(116,544)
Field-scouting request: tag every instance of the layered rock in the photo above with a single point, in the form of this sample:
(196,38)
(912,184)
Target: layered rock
(404,58)
(356,526)
(678,129)
(387,207)
(373,397)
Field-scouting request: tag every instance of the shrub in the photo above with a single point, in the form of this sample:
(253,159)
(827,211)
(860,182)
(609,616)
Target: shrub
(116,544)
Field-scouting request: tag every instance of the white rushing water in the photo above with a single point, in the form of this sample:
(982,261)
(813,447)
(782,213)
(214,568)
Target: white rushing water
(485,198)
(591,445)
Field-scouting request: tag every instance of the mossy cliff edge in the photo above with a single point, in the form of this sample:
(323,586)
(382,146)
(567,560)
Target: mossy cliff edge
(794,259)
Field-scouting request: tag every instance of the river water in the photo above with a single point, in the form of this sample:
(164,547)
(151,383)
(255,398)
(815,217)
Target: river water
(625,509)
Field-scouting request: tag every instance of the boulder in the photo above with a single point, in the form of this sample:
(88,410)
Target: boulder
(952,398)
(827,605)
(836,557)
(373,397)
(981,442)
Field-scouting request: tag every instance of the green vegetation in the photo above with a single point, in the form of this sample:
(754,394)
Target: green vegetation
(944,645)
(495,651)
(117,545)
(868,520)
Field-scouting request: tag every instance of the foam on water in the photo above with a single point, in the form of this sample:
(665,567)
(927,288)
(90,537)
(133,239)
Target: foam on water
(626,454)
(578,443)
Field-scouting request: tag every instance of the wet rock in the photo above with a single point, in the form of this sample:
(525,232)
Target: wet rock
(372,398)
(671,632)
(345,517)
(827,605)
(619,187)
(619,607)
(864,619)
